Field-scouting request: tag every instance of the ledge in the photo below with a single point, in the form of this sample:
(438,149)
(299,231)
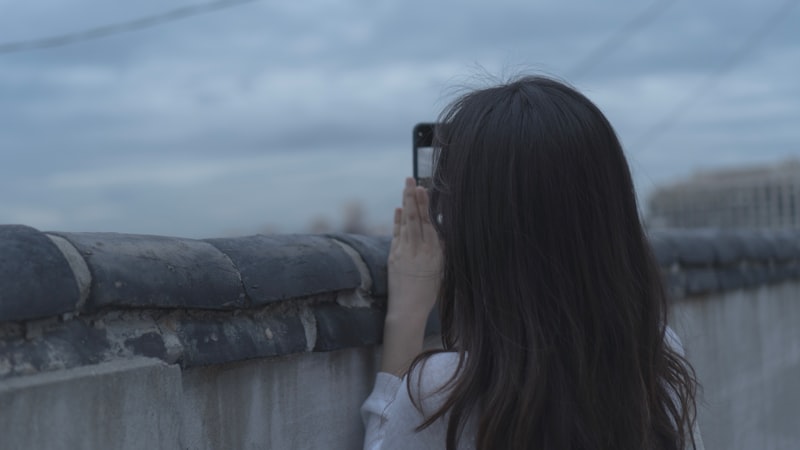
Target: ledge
(72,299)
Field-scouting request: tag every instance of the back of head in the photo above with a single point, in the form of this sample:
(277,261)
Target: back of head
(549,284)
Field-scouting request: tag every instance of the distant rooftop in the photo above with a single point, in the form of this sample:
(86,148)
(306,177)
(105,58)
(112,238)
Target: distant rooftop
(789,167)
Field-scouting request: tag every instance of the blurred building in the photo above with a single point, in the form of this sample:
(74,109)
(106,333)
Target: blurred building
(757,197)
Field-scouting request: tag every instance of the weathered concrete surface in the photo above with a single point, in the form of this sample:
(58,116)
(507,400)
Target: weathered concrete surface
(308,401)
(305,401)
(35,278)
(745,346)
(130,404)
(213,341)
(157,271)
(374,250)
(739,325)
(280,267)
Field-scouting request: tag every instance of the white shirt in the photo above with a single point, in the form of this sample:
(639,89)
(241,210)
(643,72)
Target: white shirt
(390,417)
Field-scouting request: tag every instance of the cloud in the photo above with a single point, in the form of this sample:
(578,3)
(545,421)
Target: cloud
(176,129)
(195,197)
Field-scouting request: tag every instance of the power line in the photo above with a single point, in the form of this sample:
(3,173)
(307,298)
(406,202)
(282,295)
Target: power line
(619,38)
(117,28)
(752,41)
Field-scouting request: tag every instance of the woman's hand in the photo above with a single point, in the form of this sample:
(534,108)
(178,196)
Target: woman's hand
(415,271)
(415,257)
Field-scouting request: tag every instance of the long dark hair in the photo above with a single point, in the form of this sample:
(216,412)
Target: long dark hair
(550,293)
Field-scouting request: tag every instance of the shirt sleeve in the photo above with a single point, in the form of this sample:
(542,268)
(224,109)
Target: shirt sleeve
(390,415)
(675,342)
(374,410)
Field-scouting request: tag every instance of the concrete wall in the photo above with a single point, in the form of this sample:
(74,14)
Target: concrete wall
(128,404)
(275,345)
(745,347)
(306,401)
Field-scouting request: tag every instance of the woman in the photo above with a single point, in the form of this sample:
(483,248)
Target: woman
(552,307)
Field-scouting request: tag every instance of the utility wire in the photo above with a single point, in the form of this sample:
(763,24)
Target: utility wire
(121,27)
(752,41)
(618,39)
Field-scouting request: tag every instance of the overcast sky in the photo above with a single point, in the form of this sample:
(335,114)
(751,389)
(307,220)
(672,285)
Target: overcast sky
(270,115)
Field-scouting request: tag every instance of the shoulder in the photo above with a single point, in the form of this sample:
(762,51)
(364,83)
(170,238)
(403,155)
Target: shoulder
(429,382)
(434,371)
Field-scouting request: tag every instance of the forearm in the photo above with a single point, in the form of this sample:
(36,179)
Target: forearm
(414,272)
(403,336)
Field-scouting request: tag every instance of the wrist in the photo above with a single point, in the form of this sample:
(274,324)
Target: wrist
(406,318)
(402,342)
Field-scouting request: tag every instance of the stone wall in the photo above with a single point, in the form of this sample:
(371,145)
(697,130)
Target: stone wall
(128,341)
(745,347)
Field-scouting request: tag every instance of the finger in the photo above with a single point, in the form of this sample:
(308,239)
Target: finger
(428,231)
(423,205)
(403,217)
(398,217)
(411,224)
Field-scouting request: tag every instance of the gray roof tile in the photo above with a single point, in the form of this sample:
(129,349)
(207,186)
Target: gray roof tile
(158,292)
(280,267)
(341,327)
(156,271)
(375,251)
(212,341)
(35,278)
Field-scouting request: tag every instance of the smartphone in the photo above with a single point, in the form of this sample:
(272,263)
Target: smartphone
(423,157)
